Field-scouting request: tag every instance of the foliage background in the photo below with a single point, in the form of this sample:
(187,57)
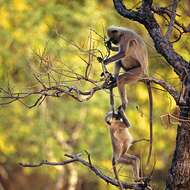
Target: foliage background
(62,125)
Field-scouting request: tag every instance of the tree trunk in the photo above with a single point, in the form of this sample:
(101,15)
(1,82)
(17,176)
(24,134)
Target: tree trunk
(179,174)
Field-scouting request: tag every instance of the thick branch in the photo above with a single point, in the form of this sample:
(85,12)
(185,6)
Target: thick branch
(146,4)
(162,45)
(123,11)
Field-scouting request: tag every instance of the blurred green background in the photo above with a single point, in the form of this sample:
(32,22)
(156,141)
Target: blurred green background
(63,125)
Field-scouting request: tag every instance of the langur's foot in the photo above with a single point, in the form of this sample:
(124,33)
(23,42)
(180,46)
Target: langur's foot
(111,82)
(124,105)
(182,101)
(113,161)
(122,115)
(144,182)
(140,179)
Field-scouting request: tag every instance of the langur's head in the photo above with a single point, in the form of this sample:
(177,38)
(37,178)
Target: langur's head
(111,117)
(114,34)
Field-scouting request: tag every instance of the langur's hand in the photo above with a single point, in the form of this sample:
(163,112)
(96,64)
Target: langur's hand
(105,61)
(104,73)
(108,44)
(100,59)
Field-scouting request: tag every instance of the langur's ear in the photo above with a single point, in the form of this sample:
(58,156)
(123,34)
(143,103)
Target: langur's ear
(108,118)
(108,122)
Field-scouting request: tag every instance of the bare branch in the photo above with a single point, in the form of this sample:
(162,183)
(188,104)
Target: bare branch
(94,169)
(90,57)
(172,19)
(168,87)
(53,88)
(62,89)
(165,11)
(43,85)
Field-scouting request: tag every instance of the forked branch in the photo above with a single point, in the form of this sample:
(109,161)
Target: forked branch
(77,158)
(61,90)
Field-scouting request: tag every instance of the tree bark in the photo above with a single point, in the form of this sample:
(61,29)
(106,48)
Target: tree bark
(179,174)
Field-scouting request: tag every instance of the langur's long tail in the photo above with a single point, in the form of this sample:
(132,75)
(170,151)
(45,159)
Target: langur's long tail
(148,84)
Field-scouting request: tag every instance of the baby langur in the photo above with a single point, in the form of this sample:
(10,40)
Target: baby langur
(132,57)
(121,141)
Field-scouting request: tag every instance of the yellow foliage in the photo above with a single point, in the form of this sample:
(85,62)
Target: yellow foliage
(18,35)
(43,28)
(96,112)
(160,164)
(4,146)
(20,5)
(4,15)
(48,20)
(106,164)
(24,130)
(140,89)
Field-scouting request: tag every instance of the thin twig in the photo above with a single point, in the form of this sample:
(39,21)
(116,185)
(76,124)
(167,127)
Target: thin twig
(172,19)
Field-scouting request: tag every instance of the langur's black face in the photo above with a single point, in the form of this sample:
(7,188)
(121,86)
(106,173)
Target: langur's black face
(114,40)
(114,36)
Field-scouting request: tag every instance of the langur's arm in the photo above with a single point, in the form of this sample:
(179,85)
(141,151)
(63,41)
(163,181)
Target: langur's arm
(108,44)
(115,57)
(119,55)
(114,48)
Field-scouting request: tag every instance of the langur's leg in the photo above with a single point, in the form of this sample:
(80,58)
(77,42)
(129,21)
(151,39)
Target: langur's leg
(131,160)
(122,115)
(116,174)
(117,67)
(129,76)
(113,161)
